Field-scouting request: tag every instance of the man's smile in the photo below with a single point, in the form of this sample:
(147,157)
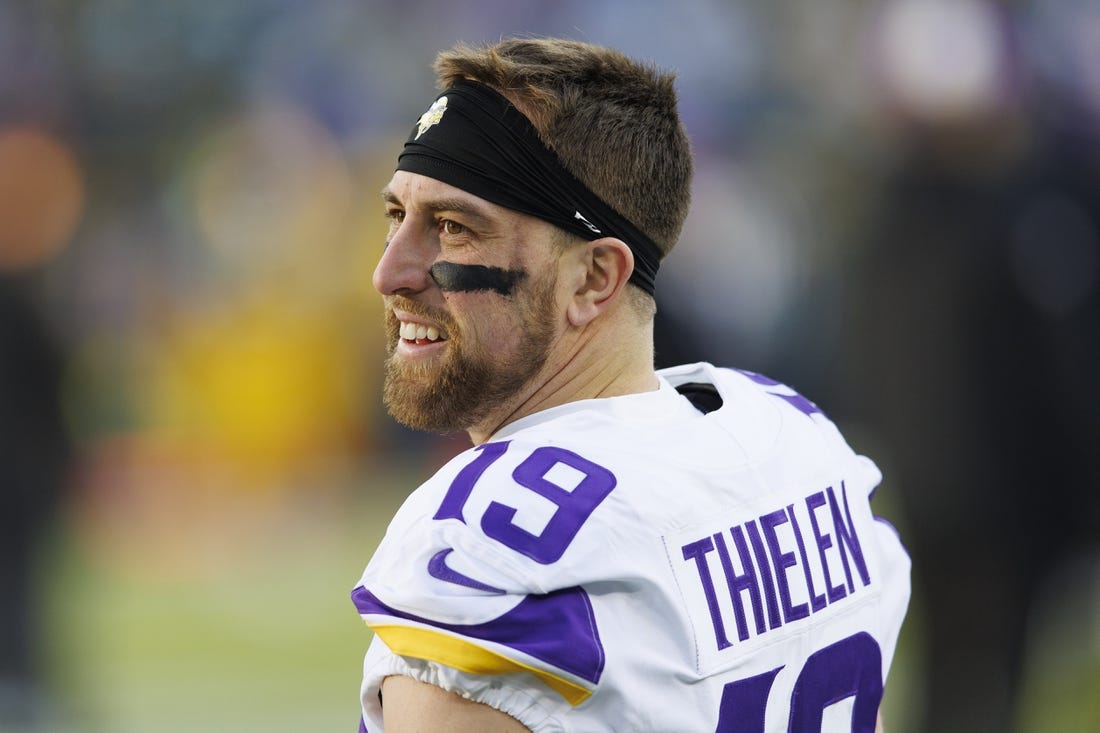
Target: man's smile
(415,334)
(419,333)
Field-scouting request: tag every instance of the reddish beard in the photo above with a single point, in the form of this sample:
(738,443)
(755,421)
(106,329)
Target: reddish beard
(472,379)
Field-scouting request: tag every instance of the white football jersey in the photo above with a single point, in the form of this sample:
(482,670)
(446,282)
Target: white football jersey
(638,564)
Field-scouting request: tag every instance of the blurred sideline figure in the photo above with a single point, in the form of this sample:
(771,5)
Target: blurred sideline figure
(976,322)
(34,453)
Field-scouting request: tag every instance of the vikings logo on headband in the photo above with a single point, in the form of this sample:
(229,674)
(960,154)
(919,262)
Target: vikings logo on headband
(488,148)
(431,117)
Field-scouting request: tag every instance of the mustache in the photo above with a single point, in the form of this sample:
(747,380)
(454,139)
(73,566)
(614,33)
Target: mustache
(416,308)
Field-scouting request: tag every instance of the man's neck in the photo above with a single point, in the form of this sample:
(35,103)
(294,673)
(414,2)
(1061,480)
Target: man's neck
(595,367)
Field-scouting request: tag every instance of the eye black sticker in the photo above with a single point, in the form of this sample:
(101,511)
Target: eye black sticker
(454,278)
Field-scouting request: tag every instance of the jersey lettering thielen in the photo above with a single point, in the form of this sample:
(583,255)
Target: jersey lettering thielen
(636,564)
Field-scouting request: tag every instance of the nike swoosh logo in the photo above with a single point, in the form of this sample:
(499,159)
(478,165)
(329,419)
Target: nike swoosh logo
(438,568)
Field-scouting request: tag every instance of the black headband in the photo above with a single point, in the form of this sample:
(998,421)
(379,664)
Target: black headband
(474,139)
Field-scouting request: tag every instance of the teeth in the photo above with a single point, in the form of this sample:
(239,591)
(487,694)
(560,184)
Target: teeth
(416,332)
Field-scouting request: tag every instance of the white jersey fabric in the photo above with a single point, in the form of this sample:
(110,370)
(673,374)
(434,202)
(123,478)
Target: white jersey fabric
(637,564)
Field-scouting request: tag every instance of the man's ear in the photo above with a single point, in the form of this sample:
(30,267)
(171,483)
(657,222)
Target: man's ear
(608,264)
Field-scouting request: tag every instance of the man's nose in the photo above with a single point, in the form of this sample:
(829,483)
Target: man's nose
(403,267)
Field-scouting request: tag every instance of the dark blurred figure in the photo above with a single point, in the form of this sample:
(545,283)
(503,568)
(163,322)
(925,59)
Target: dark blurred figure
(34,453)
(976,312)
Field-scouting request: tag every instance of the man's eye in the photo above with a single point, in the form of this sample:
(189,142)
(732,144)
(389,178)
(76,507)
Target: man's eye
(395,215)
(451,227)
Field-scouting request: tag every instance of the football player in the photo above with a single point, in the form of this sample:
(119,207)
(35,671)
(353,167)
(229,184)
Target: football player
(621,549)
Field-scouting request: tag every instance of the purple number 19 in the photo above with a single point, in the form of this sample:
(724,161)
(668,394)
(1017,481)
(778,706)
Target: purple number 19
(850,667)
(574,504)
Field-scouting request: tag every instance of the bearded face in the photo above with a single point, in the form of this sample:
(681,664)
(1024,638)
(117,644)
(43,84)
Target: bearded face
(481,357)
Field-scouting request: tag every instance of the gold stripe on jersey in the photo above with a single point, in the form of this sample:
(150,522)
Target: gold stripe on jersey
(465,656)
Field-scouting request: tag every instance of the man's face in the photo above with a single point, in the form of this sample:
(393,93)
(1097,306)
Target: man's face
(470,291)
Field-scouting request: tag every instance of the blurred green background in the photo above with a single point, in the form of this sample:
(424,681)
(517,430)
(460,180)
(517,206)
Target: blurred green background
(896,211)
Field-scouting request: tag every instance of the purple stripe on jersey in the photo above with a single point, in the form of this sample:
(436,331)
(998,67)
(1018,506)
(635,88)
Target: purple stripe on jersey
(760,378)
(558,628)
(363,726)
(800,403)
(796,400)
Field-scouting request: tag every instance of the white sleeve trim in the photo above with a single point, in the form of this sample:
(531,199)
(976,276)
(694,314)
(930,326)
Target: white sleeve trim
(518,695)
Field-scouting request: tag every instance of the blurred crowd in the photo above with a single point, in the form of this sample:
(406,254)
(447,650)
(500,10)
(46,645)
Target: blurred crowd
(896,210)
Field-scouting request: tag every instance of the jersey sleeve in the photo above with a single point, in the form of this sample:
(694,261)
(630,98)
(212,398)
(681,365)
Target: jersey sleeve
(500,620)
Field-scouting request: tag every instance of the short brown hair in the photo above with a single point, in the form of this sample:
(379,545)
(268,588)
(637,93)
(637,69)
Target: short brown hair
(611,120)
